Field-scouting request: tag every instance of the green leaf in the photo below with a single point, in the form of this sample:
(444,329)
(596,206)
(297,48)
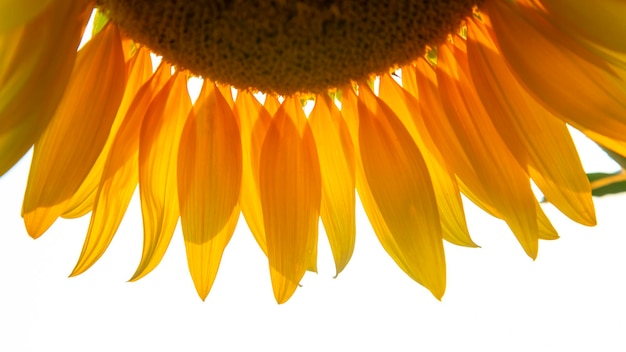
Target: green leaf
(607,183)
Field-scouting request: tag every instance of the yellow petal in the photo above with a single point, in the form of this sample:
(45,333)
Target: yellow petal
(336,157)
(290,188)
(400,185)
(15,13)
(83,199)
(120,175)
(545,228)
(70,145)
(506,181)
(595,97)
(35,67)
(158,154)
(451,213)
(538,139)
(209,181)
(255,121)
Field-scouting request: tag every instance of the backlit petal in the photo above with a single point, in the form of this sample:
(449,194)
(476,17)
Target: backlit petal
(401,187)
(538,139)
(83,199)
(271,104)
(209,181)
(451,213)
(120,175)
(255,121)
(35,67)
(600,21)
(13,13)
(158,153)
(290,188)
(336,157)
(506,181)
(545,59)
(72,142)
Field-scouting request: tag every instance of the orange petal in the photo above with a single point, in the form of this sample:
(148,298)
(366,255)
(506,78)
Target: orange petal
(255,121)
(158,153)
(35,66)
(290,188)
(271,104)
(83,199)
(452,151)
(227,93)
(507,183)
(443,135)
(72,142)
(400,185)
(336,157)
(538,139)
(451,213)
(120,175)
(209,181)
(595,97)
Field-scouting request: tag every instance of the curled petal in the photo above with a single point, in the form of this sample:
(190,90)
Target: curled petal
(158,154)
(120,175)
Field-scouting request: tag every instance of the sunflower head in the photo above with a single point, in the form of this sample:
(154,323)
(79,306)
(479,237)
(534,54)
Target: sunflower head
(287,47)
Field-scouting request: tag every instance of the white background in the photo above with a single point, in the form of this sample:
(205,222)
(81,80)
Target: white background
(571,297)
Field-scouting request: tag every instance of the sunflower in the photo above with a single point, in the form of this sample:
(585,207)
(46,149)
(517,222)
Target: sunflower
(415,103)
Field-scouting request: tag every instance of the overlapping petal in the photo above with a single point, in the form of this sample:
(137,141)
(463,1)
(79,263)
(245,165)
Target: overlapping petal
(482,114)
(254,121)
(140,70)
(451,213)
(120,174)
(539,140)
(84,117)
(14,13)
(35,67)
(595,97)
(158,153)
(336,156)
(290,189)
(507,182)
(396,190)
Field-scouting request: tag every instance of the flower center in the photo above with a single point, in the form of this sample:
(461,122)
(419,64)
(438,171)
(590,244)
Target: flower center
(288,46)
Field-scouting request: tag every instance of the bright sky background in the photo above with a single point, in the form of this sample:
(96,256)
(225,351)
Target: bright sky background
(571,297)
